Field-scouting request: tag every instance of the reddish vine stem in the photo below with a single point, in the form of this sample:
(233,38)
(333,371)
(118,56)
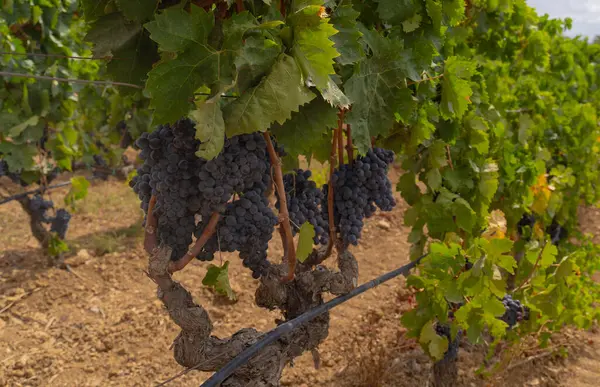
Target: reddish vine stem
(150,229)
(340,137)
(349,145)
(283,242)
(282,7)
(330,195)
(449,157)
(537,262)
(208,232)
(284,217)
(239,6)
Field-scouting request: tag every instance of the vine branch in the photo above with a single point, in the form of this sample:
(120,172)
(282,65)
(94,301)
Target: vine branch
(537,262)
(284,217)
(207,233)
(349,145)
(150,228)
(340,137)
(330,195)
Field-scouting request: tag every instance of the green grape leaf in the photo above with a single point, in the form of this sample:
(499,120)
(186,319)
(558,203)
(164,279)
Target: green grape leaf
(217,278)
(18,157)
(458,178)
(56,246)
(256,57)
(134,62)
(93,9)
(172,83)
(434,10)
(137,10)
(305,241)
(302,133)
(456,88)
(210,128)
(313,48)
(346,40)
(279,94)
(434,179)
(377,89)
(16,130)
(488,184)
(549,254)
(435,344)
(112,32)
(175,29)
(465,216)
(408,188)
(397,11)
(494,306)
(525,125)
(78,190)
(410,25)
(454,10)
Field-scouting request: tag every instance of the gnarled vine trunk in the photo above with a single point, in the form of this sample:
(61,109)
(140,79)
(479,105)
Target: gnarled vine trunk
(445,371)
(37,228)
(196,347)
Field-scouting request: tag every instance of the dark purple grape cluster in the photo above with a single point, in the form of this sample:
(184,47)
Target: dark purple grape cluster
(360,188)
(188,187)
(247,226)
(514,311)
(60,223)
(241,166)
(305,201)
(170,172)
(39,207)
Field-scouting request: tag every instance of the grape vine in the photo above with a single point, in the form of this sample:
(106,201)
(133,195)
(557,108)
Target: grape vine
(489,108)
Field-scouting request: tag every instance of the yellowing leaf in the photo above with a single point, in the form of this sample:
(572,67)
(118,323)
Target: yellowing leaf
(496,226)
(305,241)
(541,192)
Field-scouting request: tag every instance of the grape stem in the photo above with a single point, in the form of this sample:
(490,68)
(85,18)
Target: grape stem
(425,79)
(207,233)
(330,196)
(349,145)
(150,229)
(449,157)
(284,217)
(340,137)
(537,262)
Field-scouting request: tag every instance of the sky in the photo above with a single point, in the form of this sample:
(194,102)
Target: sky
(585,14)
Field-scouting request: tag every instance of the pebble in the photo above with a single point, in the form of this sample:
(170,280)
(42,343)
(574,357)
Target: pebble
(384,225)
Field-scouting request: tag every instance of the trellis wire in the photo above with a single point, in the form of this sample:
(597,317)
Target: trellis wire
(39,190)
(69,80)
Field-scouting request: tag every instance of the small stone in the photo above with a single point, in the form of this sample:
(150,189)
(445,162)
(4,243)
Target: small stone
(384,225)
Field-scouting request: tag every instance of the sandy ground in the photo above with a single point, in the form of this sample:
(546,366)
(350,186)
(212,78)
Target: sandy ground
(101,324)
